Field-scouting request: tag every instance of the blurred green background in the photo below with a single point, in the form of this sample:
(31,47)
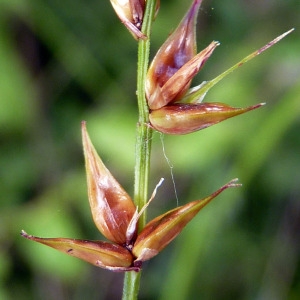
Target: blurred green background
(66,61)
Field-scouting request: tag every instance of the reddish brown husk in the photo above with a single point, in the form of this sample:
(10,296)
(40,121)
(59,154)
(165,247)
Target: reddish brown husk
(101,254)
(131,13)
(159,232)
(155,236)
(186,118)
(137,8)
(112,208)
(177,50)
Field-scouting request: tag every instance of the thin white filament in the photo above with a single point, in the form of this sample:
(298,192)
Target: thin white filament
(170,166)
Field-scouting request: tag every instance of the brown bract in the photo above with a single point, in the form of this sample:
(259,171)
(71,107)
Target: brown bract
(112,208)
(176,51)
(174,107)
(131,13)
(159,232)
(186,118)
(100,254)
(116,217)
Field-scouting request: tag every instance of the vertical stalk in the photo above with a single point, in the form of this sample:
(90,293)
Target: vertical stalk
(143,142)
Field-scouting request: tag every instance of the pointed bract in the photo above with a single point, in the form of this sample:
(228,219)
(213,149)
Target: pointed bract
(159,232)
(131,13)
(186,118)
(101,254)
(177,50)
(197,93)
(168,80)
(176,87)
(112,208)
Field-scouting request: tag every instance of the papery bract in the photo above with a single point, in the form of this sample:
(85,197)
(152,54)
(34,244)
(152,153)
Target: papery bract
(188,114)
(164,83)
(186,118)
(176,87)
(112,208)
(100,254)
(197,93)
(174,110)
(159,232)
(131,13)
(116,217)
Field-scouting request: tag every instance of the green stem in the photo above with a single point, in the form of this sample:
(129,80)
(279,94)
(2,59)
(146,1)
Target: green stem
(143,142)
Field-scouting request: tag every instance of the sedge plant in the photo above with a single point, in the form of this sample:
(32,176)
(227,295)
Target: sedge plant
(167,104)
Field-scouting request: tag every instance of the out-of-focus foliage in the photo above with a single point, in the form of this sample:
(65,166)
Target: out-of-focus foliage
(67,61)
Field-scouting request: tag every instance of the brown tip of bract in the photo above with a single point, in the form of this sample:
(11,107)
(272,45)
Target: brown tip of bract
(233,183)
(257,105)
(273,42)
(24,234)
